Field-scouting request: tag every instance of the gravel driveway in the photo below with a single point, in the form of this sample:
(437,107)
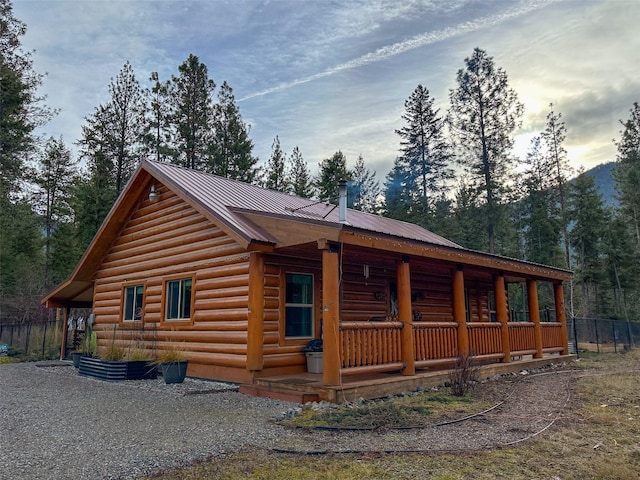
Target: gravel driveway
(55,424)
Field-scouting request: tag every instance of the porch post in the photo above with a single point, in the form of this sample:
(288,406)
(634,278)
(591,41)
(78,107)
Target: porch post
(460,312)
(65,331)
(558,292)
(502,315)
(405,315)
(255,327)
(534,315)
(331,360)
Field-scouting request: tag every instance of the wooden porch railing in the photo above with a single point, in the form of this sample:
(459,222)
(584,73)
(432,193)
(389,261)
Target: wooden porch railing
(373,346)
(435,343)
(369,347)
(552,337)
(522,338)
(485,341)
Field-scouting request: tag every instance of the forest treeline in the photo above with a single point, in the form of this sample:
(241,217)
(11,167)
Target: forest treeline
(455,174)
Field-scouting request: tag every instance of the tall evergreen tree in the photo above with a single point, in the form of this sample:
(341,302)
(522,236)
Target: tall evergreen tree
(332,170)
(114,130)
(554,136)
(299,175)
(54,179)
(627,172)
(587,215)
(365,189)
(21,111)
(399,190)
(231,151)
(126,110)
(156,137)
(540,219)
(483,115)
(275,177)
(191,94)
(424,151)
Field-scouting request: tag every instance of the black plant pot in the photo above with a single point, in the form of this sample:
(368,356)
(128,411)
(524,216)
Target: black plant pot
(174,372)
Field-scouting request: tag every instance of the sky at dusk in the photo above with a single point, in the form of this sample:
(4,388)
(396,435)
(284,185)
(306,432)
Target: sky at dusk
(334,75)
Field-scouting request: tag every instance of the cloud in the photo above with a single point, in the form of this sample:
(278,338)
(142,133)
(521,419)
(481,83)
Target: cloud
(412,43)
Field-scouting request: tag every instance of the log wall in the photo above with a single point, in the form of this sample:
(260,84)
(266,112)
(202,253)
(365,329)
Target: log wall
(169,239)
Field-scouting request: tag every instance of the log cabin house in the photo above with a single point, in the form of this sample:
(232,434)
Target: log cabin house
(242,278)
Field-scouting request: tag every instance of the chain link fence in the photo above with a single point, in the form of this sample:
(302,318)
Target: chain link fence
(603,335)
(32,341)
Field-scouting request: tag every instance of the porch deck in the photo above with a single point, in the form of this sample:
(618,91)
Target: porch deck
(303,387)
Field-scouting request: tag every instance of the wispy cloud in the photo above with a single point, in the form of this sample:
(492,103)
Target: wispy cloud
(414,42)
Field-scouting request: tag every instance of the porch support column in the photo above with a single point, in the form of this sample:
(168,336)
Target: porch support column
(502,315)
(460,312)
(65,332)
(331,360)
(558,292)
(255,333)
(405,315)
(534,315)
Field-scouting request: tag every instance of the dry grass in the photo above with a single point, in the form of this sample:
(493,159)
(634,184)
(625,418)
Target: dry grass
(598,438)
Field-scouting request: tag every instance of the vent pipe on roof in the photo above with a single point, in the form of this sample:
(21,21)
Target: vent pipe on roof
(342,188)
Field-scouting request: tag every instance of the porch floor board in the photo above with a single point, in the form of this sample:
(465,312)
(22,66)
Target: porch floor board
(377,385)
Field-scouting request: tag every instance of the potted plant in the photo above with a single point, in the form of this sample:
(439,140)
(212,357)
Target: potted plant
(119,363)
(173,364)
(313,352)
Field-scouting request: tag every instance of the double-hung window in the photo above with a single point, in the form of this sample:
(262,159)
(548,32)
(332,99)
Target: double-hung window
(299,305)
(178,299)
(133,298)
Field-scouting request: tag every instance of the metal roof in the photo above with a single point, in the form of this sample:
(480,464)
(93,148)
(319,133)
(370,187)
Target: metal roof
(228,199)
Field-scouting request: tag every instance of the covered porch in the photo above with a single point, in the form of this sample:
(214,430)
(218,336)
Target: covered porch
(424,334)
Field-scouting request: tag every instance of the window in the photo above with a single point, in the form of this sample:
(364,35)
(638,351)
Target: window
(133,297)
(299,305)
(178,299)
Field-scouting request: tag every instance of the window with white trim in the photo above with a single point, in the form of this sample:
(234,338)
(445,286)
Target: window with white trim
(299,305)
(133,298)
(178,299)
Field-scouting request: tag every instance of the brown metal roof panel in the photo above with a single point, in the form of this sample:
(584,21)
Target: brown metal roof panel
(217,194)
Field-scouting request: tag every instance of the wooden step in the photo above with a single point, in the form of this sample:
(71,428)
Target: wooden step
(278,393)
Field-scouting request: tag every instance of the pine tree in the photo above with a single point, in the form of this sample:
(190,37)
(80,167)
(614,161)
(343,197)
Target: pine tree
(115,129)
(231,148)
(483,115)
(587,215)
(540,216)
(157,137)
(299,175)
(399,190)
(275,171)
(424,151)
(332,170)
(627,172)
(54,179)
(364,188)
(554,136)
(191,117)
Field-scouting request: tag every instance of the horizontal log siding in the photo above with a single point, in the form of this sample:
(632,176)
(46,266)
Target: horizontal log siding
(431,295)
(363,298)
(169,239)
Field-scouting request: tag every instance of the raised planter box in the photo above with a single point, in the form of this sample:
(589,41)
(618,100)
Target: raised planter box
(113,371)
